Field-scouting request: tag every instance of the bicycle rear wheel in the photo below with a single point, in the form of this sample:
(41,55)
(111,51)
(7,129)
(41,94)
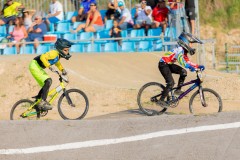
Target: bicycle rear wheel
(21,107)
(79,107)
(147,99)
(210,102)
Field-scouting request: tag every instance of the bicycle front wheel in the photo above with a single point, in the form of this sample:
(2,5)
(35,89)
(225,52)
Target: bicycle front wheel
(20,111)
(74,106)
(208,102)
(148,97)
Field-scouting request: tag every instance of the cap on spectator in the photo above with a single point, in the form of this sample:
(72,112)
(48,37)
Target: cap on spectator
(144,2)
(159,1)
(120,4)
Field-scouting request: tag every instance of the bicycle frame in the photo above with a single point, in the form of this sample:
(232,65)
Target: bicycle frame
(196,83)
(52,93)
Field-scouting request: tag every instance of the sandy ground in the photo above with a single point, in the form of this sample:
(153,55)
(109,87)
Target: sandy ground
(111,82)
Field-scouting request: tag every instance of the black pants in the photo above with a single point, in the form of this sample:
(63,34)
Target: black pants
(166,71)
(44,90)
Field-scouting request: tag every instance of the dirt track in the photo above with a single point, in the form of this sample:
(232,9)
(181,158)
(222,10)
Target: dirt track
(111,82)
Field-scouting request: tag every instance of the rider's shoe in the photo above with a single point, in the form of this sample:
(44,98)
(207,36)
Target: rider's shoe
(178,92)
(163,104)
(44,105)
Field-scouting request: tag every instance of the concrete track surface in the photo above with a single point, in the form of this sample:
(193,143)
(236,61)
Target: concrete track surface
(173,137)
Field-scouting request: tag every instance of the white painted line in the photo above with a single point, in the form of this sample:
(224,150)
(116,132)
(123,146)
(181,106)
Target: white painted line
(102,142)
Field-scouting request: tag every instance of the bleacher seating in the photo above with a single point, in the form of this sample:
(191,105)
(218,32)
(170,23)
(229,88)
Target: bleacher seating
(62,28)
(3,30)
(128,47)
(27,49)
(86,36)
(76,48)
(145,46)
(95,47)
(42,49)
(70,36)
(102,34)
(109,24)
(10,51)
(111,47)
(137,33)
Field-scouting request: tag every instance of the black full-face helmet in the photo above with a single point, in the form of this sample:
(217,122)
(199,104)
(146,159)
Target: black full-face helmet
(185,39)
(60,45)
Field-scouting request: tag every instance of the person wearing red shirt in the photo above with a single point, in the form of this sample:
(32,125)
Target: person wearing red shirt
(160,15)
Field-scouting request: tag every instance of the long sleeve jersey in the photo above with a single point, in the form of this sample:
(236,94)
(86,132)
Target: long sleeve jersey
(177,54)
(49,58)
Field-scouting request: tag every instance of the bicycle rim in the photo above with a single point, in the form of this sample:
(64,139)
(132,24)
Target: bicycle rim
(19,111)
(147,101)
(79,108)
(210,98)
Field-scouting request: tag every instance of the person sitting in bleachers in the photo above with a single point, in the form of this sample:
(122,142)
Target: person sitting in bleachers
(36,31)
(160,15)
(125,20)
(83,11)
(10,12)
(143,16)
(113,11)
(94,21)
(18,34)
(115,32)
(27,17)
(55,12)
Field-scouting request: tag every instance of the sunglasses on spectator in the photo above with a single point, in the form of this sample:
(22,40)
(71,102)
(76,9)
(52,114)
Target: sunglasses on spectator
(36,18)
(92,5)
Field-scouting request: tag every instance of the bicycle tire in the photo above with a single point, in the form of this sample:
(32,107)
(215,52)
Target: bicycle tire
(212,100)
(64,106)
(150,108)
(24,104)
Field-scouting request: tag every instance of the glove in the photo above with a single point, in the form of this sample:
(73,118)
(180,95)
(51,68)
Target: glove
(191,68)
(52,69)
(201,67)
(64,72)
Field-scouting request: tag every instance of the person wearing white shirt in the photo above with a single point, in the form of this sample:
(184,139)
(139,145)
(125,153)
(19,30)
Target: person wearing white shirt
(55,12)
(125,18)
(143,16)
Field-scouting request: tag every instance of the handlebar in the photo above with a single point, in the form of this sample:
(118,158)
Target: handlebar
(61,77)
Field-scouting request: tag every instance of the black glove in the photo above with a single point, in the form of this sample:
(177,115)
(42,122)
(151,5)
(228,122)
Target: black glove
(64,72)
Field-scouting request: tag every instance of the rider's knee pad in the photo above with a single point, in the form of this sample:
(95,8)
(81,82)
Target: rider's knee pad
(183,73)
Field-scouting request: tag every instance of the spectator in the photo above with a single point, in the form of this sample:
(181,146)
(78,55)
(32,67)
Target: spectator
(94,21)
(10,12)
(143,16)
(36,31)
(113,11)
(55,12)
(151,3)
(115,32)
(160,15)
(27,17)
(83,10)
(190,13)
(125,17)
(174,5)
(18,34)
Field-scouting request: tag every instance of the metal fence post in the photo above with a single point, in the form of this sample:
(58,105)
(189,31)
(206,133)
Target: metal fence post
(226,54)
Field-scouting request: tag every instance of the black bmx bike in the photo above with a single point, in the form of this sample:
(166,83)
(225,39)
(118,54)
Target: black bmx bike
(203,101)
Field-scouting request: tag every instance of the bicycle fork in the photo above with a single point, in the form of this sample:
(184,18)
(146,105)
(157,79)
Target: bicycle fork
(204,104)
(68,98)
